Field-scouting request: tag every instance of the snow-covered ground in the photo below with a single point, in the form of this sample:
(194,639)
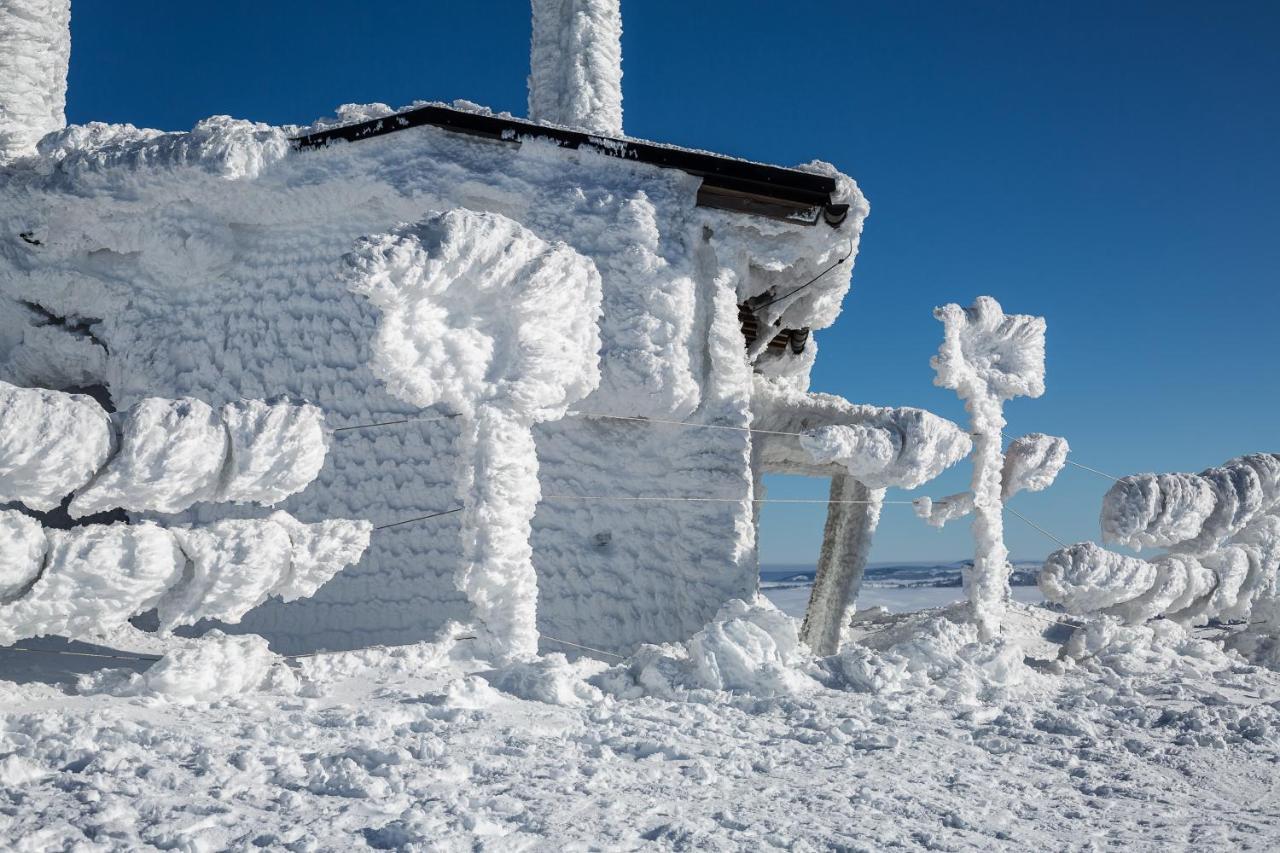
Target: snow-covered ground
(919,737)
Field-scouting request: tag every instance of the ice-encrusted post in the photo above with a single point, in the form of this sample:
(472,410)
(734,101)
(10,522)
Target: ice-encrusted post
(988,357)
(484,317)
(575,64)
(846,545)
(35,49)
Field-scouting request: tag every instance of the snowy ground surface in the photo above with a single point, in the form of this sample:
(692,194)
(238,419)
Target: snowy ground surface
(420,748)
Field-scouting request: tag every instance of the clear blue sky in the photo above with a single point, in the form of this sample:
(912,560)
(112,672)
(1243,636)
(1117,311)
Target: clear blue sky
(1112,166)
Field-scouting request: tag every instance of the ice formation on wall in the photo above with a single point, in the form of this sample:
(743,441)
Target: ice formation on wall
(1031,463)
(1223,531)
(51,444)
(35,48)
(575,76)
(96,577)
(483,316)
(988,357)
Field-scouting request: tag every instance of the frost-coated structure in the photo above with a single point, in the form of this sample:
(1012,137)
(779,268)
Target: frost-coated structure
(575,62)
(1222,531)
(35,49)
(208,267)
(988,357)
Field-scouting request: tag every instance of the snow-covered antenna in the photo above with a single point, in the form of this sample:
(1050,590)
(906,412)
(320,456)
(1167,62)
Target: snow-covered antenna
(35,48)
(575,64)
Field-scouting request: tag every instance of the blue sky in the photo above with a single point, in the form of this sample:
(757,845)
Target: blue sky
(1110,166)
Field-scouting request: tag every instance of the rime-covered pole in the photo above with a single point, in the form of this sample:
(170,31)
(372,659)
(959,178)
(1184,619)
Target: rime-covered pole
(575,64)
(35,48)
(988,357)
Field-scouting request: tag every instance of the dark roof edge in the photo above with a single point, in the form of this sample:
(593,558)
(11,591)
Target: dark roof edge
(727,183)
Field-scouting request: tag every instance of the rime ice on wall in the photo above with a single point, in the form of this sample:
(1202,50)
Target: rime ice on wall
(988,357)
(274,450)
(486,318)
(50,444)
(210,263)
(95,578)
(35,48)
(575,75)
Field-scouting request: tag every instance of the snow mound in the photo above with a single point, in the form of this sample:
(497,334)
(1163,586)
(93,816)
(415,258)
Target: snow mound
(930,651)
(171,456)
(51,444)
(95,578)
(551,679)
(477,309)
(750,648)
(276,450)
(1159,647)
(22,549)
(214,667)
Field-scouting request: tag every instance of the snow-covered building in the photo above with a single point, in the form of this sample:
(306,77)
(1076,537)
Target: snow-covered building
(217,264)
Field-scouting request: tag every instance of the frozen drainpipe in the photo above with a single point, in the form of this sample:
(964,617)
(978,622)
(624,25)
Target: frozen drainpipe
(35,48)
(575,61)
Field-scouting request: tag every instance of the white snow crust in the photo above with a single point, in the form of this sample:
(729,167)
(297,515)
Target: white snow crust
(35,49)
(22,549)
(575,60)
(50,444)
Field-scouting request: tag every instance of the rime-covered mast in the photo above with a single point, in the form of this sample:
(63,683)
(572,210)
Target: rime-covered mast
(575,59)
(35,49)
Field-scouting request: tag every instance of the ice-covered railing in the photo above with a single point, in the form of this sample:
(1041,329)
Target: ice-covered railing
(1222,531)
(169,455)
(865,450)
(89,580)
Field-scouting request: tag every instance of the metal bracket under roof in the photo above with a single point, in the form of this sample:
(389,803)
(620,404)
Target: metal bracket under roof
(727,183)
